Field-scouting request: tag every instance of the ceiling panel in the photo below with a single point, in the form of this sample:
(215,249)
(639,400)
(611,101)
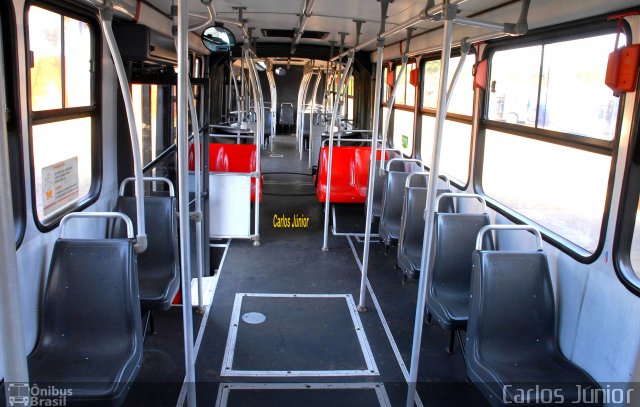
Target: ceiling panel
(334,16)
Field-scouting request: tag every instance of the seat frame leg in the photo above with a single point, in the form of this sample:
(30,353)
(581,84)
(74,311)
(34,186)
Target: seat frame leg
(429,319)
(452,341)
(461,342)
(150,326)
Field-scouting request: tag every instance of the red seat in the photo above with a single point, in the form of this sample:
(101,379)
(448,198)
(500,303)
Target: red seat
(349,174)
(239,158)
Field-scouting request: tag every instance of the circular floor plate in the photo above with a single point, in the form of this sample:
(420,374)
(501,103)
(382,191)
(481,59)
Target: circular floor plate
(254,318)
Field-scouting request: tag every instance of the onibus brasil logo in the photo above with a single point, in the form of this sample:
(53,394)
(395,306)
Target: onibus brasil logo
(23,394)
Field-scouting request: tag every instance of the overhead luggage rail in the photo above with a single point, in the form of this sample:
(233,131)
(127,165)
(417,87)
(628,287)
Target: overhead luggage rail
(90,329)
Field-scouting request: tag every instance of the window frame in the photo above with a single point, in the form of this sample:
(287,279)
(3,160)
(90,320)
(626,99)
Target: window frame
(577,30)
(14,130)
(454,117)
(391,66)
(94,111)
(627,208)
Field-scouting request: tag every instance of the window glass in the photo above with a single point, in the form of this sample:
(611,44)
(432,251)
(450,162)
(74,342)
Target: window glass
(455,149)
(558,86)
(45,41)
(462,100)
(573,95)
(61,48)
(401,84)
(148,125)
(563,189)
(410,99)
(61,149)
(77,62)
(513,89)
(403,131)
(385,87)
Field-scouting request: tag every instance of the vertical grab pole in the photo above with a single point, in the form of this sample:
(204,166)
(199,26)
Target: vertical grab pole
(197,180)
(12,343)
(303,104)
(426,263)
(183,199)
(327,201)
(198,216)
(238,96)
(384,4)
(302,96)
(258,102)
(274,104)
(313,109)
(106,17)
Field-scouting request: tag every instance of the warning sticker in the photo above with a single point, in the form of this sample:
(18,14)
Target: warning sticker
(59,185)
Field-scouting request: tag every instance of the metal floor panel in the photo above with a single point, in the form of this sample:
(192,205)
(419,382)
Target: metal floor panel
(303,335)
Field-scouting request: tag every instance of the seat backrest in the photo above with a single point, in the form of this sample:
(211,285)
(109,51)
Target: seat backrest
(91,297)
(341,169)
(393,195)
(455,240)
(413,215)
(232,157)
(362,159)
(286,114)
(380,184)
(267,121)
(512,308)
(161,229)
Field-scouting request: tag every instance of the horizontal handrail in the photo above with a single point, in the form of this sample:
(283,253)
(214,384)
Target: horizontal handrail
(443,177)
(487,228)
(148,179)
(239,135)
(254,174)
(97,215)
(455,195)
(163,155)
(360,140)
(405,160)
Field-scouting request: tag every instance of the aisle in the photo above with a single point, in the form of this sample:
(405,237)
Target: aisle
(283,327)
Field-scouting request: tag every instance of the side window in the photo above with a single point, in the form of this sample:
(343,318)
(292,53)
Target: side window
(63,112)
(148,120)
(456,139)
(548,150)
(403,114)
(349,102)
(12,105)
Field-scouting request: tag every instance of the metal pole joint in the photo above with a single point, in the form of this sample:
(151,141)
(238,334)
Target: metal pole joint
(450,11)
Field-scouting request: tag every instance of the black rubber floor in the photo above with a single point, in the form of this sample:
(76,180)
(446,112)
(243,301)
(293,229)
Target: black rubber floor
(290,261)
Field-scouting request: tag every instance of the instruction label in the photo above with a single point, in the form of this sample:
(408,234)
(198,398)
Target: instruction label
(59,185)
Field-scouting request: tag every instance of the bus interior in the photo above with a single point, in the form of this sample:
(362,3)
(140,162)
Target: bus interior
(319,202)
